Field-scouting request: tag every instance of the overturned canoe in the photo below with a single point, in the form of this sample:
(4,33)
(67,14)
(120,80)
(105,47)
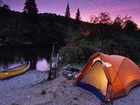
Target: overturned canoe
(14,71)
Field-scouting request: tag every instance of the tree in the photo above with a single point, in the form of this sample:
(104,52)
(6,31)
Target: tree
(94,19)
(130,25)
(78,17)
(67,13)
(30,7)
(5,6)
(118,22)
(125,19)
(104,18)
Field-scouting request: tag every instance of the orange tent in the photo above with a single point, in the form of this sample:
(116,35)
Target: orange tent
(109,76)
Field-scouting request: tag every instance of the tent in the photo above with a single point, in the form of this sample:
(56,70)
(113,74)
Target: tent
(109,76)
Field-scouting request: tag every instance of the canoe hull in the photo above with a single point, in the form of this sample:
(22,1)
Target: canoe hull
(15,71)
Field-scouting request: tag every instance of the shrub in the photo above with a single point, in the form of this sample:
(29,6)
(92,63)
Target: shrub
(89,47)
(71,55)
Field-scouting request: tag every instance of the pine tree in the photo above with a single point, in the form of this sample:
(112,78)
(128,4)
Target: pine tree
(30,7)
(78,18)
(67,13)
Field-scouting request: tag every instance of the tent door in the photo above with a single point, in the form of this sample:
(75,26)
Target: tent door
(97,77)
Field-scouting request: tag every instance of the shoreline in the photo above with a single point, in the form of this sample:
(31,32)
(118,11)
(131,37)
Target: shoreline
(59,91)
(30,77)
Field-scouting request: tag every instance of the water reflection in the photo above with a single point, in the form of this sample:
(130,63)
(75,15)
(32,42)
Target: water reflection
(42,65)
(39,56)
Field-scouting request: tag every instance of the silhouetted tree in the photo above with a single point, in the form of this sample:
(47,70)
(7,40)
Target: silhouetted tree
(5,10)
(118,22)
(67,13)
(5,6)
(78,17)
(30,7)
(104,18)
(126,18)
(130,25)
(94,19)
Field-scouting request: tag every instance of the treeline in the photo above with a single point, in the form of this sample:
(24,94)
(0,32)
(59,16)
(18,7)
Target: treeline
(80,39)
(119,36)
(19,28)
(31,27)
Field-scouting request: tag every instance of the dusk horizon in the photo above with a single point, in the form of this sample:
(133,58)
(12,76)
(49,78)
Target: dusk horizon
(87,8)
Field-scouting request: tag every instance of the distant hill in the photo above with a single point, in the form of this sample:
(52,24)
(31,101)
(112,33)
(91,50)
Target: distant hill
(17,28)
(20,29)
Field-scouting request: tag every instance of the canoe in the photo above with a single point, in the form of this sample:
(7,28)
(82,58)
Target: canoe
(14,71)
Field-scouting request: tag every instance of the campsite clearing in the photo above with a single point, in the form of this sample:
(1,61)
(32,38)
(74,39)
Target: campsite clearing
(59,92)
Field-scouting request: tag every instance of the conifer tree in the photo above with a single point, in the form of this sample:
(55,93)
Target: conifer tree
(78,18)
(67,13)
(30,7)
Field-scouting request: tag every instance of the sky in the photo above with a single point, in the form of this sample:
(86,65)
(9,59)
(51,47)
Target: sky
(87,7)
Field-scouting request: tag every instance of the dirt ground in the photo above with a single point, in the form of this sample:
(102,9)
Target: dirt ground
(59,92)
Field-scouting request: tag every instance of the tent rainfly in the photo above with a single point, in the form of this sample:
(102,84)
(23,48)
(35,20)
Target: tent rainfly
(109,76)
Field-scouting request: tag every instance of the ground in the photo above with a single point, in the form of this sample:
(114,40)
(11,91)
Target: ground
(59,91)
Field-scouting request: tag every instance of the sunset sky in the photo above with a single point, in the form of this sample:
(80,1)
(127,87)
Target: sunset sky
(87,7)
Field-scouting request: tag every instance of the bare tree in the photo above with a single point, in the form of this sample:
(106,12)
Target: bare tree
(94,19)
(104,18)
(118,22)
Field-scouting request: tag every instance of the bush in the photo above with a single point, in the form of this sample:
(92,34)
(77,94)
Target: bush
(88,47)
(121,44)
(71,55)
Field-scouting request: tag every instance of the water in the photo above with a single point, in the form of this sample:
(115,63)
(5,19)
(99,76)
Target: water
(39,56)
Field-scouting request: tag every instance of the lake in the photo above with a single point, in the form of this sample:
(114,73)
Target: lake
(39,56)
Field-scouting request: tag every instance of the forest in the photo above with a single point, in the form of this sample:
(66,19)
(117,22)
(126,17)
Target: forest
(77,40)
